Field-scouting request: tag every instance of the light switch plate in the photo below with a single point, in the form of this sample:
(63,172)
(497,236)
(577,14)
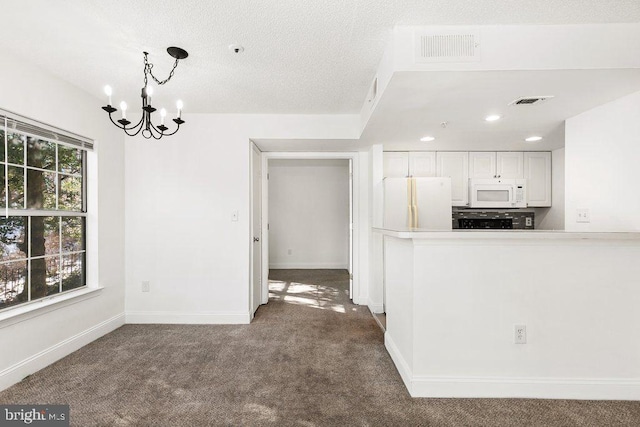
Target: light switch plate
(234,216)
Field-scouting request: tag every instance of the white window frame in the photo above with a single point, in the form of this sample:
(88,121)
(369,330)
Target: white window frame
(14,123)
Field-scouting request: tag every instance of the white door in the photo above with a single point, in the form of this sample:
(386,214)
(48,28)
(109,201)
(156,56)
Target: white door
(422,163)
(256,230)
(537,171)
(395,164)
(455,165)
(510,164)
(482,164)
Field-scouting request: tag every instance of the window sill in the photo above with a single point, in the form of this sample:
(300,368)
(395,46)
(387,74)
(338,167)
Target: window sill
(45,305)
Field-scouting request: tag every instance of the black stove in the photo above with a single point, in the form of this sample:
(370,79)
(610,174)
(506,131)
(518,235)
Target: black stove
(486,223)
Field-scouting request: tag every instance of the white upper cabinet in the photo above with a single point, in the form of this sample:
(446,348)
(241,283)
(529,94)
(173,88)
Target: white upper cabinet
(534,166)
(509,164)
(400,164)
(489,164)
(422,163)
(482,164)
(396,164)
(537,171)
(455,165)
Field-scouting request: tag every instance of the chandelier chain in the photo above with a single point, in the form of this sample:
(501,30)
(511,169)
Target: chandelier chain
(147,70)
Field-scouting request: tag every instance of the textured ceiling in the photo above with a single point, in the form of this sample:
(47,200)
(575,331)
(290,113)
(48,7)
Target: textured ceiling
(300,57)
(416,104)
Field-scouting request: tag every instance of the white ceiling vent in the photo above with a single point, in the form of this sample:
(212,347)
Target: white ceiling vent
(530,100)
(447,47)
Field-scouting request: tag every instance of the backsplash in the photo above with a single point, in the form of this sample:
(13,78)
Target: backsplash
(517,218)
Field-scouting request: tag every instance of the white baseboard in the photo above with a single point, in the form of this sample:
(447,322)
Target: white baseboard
(15,373)
(535,388)
(401,365)
(307,266)
(170,317)
(375,307)
(512,387)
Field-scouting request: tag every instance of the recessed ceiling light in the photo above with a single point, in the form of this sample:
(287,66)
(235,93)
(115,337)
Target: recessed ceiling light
(533,139)
(427,139)
(492,118)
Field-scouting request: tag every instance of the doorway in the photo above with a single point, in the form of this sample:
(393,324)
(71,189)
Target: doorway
(309,214)
(286,255)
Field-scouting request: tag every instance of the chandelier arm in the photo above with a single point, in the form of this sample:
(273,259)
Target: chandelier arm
(115,123)
(153,134)
(156,129)
(124,128)
(169,134)
(137,126)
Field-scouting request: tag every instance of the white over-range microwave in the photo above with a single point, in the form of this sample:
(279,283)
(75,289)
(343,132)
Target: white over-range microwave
(497,193)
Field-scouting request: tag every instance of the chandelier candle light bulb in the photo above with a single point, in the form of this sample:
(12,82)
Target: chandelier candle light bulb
(108,91)
(163,114)
(149,93)
(123,107)
(179,104)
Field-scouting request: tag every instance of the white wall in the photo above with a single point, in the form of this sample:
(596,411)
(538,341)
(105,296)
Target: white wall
(602,148)
(553,218)
(33,343)
(181,193)
(308,213)
(577,295)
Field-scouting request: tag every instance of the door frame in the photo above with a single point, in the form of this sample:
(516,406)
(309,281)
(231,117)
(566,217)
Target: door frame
(355,212)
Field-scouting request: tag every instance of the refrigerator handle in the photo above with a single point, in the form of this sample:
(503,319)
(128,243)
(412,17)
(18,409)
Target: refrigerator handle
(410,202)
(414,202)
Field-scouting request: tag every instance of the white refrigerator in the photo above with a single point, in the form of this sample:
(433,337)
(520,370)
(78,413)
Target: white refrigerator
(423,203)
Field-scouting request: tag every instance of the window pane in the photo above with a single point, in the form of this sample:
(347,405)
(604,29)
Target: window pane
(45,235)
(12,246)
(70,193)
(16,187)
(53,275)
(41,154)
(69,160)
(72,234)
(13,278)
(15,148)
(72,271)
(41,189)
(3,198)
(1,145)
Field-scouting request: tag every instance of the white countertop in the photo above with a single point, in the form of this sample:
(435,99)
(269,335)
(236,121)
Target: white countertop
(467,234)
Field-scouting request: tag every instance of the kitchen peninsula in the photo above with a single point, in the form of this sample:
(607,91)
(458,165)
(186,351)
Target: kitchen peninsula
(458,301)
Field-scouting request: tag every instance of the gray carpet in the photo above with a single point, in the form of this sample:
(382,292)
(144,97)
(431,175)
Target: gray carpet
(310,358)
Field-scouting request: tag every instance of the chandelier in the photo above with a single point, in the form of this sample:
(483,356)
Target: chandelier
(145,125)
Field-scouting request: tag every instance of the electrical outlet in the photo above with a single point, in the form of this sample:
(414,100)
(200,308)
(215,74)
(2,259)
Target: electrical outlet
(528,222)
(582,215)
(519,334)
(146,286)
